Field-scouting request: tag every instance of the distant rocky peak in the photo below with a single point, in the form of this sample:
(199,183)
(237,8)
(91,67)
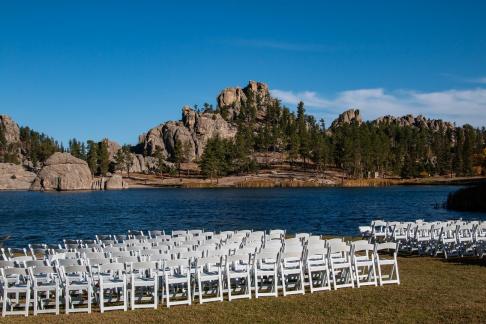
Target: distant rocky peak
(411,121)
(232,99)
(347,117)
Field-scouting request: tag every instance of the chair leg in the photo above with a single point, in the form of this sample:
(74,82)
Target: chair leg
(27,301)
(89,298)
(66,300)
(57,296)
(199,285)
(156,292)
(36,301)
(132,296)
(189,289)
(167,293)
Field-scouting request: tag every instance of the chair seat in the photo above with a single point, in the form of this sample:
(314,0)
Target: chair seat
(17,288)
(143,281)
(46,286)
(320,267)
(237,274)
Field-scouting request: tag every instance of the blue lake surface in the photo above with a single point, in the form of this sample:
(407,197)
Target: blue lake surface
(34,217)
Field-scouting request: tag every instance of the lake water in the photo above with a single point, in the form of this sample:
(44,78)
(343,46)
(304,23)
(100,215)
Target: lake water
(34,217)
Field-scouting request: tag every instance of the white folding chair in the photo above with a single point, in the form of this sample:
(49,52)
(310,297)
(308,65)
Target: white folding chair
(76,279)
(363,258)
(112,280)
(238,276)
(292,273)
(339,257)
(317,267)
(209,279)
(383,260)
(177,275)
(21,285)
(144,275)
(45,283)
(265,270)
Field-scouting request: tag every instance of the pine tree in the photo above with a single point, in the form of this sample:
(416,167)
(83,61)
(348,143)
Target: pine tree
(178,156)
(103,158)
(92,156)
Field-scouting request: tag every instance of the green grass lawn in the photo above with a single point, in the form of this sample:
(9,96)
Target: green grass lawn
(432,290)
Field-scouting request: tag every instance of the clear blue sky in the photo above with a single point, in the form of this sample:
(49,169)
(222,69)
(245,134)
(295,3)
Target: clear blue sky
(92,70)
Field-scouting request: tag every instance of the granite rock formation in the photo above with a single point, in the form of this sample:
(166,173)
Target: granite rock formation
(15,177)
(61,172)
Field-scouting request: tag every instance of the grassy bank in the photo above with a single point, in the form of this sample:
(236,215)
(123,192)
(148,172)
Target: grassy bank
(432,290)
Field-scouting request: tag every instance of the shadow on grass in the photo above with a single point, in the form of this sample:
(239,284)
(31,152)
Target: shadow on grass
(467,261)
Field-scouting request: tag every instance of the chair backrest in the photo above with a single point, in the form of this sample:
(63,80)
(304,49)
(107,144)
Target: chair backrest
(22,259)
(195,232)
(98,261)
(69,262)
(209,262)
(14,271)
(94,255)
(155,233)
(238,259)
(77,269)
(177,233)
(302,236)
(7,264)
(120,254)
(127,259)
(144,265)
(339,248)
(150,252)
(386,246)
(36,263)
(38,270)
(291,257)
(266,257)
(118,268)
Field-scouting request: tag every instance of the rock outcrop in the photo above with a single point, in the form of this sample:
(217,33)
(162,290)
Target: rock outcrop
(419,121)
(347,117)
(116,182)
(412,121)
(61,172)
(15,177)
(196,128)
(193,132)
(255,94)
(10,128)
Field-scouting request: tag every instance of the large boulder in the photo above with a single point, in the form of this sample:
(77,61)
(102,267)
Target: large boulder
(15,177)
(116,182)
(61,172)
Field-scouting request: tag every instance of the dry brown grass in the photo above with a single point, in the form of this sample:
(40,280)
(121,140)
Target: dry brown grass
(432,290)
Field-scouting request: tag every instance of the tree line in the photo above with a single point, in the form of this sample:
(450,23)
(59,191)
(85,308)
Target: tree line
(361,150)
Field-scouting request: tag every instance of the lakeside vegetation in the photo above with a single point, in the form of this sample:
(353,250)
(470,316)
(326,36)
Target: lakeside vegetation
(468,199)
(432,291)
